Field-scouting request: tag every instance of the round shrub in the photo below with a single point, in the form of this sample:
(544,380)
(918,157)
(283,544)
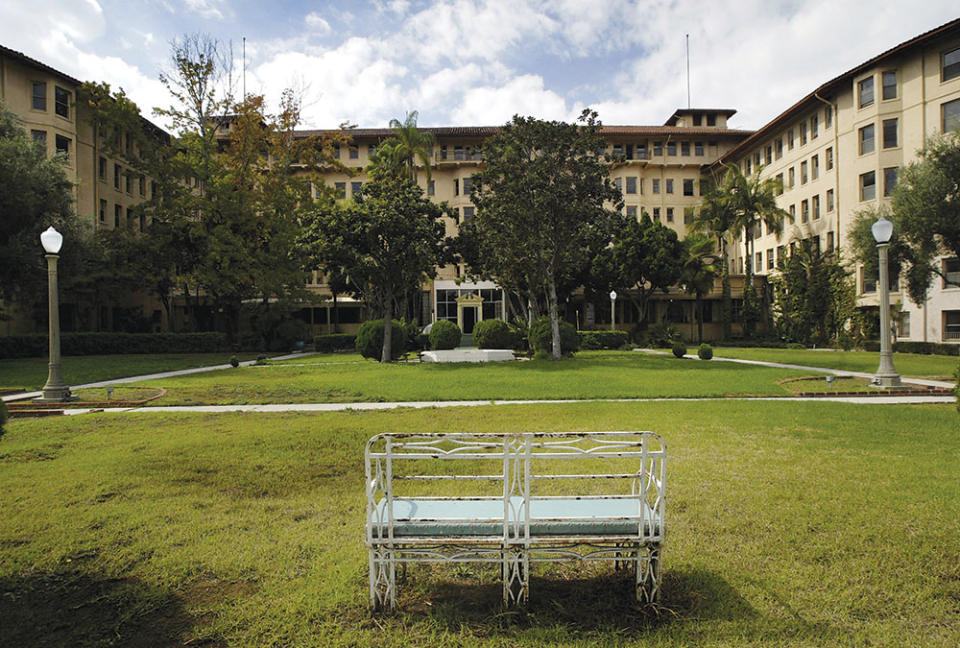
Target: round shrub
(705,351)
(370,339)
(679,349)
(494,334)
(541,354)
(541,337)
(444,334)
(234,361)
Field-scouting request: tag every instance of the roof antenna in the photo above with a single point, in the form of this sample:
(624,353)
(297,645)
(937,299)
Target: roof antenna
(688,71)
(245,68)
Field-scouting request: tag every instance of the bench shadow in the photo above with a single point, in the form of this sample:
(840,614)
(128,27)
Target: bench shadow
(584,604)
(76,609)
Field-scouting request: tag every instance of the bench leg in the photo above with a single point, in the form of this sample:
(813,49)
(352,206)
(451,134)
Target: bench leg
(648,575)
(383,579)
(516,577)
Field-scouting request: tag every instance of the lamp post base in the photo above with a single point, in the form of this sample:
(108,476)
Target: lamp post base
(56,394)
(888,380)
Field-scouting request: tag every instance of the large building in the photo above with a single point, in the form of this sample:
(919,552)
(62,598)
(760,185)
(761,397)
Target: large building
(837,151)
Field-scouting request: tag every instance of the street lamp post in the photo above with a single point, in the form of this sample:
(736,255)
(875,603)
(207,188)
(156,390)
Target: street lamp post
(887,376)
(55,390)
(613,309)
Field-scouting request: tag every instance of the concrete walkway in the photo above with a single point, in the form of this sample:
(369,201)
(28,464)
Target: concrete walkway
(165,374)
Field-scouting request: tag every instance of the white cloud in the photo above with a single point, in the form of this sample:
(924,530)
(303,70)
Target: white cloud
(317,24)
(210,9)
(523,95)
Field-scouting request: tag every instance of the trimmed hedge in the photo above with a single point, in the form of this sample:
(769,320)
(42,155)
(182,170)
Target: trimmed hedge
(541,337)
(679,349)
(705,351)
(369,340)
(494,334)
(923,348)
(603,339)
(335,342)
(444,335)
(37,345)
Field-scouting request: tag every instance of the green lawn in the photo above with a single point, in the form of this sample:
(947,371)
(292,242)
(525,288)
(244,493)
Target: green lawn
(31,373)
(789,524)
(591,374)
(907,364)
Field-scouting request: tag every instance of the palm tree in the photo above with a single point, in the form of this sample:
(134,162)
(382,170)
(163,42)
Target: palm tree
(716,217)
(698,273)
(412,144)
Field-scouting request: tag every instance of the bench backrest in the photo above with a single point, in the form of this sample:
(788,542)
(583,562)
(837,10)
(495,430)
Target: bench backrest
(516,468)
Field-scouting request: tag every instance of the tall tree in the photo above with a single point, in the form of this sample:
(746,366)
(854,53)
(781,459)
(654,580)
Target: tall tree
(698,273)
(716,217)
(411,144)
(541,203)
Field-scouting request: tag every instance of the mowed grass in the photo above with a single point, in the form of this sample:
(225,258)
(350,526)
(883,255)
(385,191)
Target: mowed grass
(589,375)
(31,373)
(907,364)
(789,524)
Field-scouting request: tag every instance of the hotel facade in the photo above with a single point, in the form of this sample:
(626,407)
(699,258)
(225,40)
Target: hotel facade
(837,151)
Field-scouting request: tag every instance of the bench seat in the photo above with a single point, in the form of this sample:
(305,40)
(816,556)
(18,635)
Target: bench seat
(550,517)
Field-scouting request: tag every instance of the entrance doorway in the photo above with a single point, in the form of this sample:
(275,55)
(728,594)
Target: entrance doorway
(469,319)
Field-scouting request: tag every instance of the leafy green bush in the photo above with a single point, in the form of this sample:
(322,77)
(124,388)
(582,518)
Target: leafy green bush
(444,334)
(925,348)
(679,349)
(663,335)
(334,342)
(705,351)
(603,339)
(234,361)
(27,346)
(956,389)
(369,341)
(542,354)
(3,417)
(541,337)
(494,334)
(845,341)
(416,341)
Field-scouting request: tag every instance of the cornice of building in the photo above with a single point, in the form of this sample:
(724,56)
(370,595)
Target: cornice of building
(487,131)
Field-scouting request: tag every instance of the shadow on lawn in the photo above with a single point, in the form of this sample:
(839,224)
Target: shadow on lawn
(71,608)
(601,603)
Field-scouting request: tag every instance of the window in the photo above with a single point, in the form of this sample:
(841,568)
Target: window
(890,139)
(632,211)
(793,213)
(778,148)
(815,167)
(103,211)
(867,137)
(889,90)
(336,151)
(142,185)
(867,284)
(456,187)
(790,140)
(792,176)
(669,214)
(669,186)
(698,148)
(865,90)
(816,207)
(828,117)
(951,325)
(688,187)
(354,153)
(803,133)
(756,160)
(431,188)
(642,151)
(830,200)
(658,148)
(117,213)
(632,185)
(779,188)
(656,185)
(950,65)
(814,127)
(371,149)
(804,210)
(951,116)
(129,183)
(40,138)
(770,259)
(711,120)
(951,273)
(829,241)
(468,213)
(143,221)
(889,180)
(102,169)
(443,151)
(903,325)
(759,260)
(828,154)
(618,183)
(61,102)
(340,189)
(803,172)
(656,214)
(671,148)
(687,215)
(39,97)
(768,154)
(618,150)
(780,251)
(748,167)
(697,120)
(355,188)
(63,146)
(868,185)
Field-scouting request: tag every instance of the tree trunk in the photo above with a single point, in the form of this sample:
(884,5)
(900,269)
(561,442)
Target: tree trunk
(387,330)
(554,320)
(725,305)
(699,320)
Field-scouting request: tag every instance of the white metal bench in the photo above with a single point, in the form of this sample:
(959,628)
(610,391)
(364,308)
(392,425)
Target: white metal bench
(513,499)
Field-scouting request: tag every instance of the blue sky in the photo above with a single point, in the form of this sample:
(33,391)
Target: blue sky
(477,62)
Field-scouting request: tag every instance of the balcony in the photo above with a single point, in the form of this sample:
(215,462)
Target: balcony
(458,156)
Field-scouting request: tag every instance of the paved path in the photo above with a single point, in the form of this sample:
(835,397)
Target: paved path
(165,374)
